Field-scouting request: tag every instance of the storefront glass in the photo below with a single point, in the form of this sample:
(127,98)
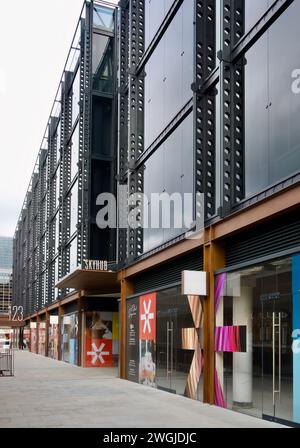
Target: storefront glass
(101,339)
(69,338)
(42,338)
(164,342)
(33,337)
(53,332)
(257,335)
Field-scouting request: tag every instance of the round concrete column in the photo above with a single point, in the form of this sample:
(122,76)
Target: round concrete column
(242,362)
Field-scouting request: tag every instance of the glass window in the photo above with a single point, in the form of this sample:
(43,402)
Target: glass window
(76,97)
(73,255)
(254,338)
(254,9)
(57,187)
(69,339)
(103,18)
(272,108)
(75,152)
(74,208)
(103,68)
(169,74)
(155,12)
(169,170)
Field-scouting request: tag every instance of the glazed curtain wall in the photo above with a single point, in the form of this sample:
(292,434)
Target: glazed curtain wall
(101,339)
(272,106)
(169,170)
(164,334)
(257,340)
(169,73)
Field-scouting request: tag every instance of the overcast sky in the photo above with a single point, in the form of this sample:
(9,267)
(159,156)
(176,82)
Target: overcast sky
(35,36)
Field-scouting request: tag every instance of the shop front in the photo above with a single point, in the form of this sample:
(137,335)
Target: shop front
(33,337)
(257,340)
(100,339)
(41,327)
(164,341)
(53,337)
(69,338)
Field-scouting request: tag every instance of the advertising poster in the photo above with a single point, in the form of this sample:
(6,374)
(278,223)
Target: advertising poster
(99,329)
(132,371)
(147,339)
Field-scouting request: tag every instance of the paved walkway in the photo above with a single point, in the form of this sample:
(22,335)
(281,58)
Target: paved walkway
(47,393)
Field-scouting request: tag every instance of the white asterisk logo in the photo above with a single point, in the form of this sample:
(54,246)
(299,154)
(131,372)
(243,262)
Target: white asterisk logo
(147,316)
(98,353)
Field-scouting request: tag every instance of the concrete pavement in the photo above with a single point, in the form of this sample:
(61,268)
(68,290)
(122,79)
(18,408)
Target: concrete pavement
(47,393)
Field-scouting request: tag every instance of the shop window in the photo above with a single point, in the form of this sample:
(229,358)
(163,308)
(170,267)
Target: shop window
(256,318)
(69,338)
(53,335)
(101,339)
(164,337)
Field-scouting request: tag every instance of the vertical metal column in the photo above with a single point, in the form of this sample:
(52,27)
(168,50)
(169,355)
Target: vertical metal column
(136,121)
(204,106)
(232,105)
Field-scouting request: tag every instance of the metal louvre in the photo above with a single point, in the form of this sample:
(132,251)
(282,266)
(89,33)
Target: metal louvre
(168,273)
(268,239)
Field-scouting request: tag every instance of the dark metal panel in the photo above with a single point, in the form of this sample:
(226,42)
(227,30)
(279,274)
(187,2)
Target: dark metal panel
(168,273)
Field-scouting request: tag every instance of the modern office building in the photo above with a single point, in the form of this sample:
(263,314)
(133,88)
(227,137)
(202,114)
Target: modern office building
(6,262)
(209,103)
(6,259)
(73,310)
(207,95)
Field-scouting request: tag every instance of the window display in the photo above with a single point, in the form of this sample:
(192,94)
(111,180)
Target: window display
(33,337)
(164,342)
(53,332)
(101,339)
(69,338)
(257,325)
(42,338)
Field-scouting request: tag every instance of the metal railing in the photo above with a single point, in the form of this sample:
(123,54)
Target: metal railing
(6,362)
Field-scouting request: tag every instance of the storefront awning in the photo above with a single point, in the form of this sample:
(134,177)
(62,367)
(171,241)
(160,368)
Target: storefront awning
(98,282)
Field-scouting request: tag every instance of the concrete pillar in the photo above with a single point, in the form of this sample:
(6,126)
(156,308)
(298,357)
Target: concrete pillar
(243,362)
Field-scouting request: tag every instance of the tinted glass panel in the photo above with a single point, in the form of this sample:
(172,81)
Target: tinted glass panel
(102,126)
(272,106)
(103,18)
(169,170)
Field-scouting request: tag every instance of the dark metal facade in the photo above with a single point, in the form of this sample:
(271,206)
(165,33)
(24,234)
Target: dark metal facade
(47,244)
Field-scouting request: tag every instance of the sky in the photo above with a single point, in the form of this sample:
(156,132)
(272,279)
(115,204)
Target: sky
(35,36)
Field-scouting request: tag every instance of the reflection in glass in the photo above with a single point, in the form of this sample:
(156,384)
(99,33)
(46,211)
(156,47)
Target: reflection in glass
(258,303)
(169,73)
(102,63)
(103,18)
(272,133)
(168,170)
